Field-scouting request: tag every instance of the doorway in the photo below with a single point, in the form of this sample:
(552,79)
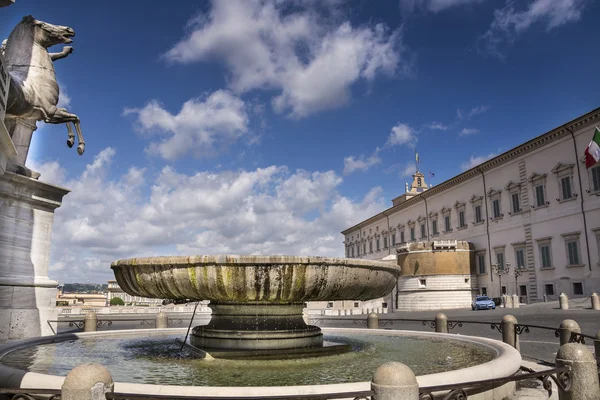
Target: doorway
(523,294)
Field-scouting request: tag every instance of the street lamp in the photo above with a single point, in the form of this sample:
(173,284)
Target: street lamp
(519,270)
(501,270)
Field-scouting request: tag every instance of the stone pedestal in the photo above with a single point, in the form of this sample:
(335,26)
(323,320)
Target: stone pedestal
(7,148)
(256,327)
(27,295)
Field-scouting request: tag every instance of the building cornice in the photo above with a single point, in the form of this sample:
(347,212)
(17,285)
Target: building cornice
(593,117)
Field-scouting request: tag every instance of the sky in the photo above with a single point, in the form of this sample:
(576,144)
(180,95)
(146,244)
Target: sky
(267,127)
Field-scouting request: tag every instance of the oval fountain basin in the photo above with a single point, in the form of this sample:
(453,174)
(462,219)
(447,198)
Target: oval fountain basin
(255,279)
(142,362)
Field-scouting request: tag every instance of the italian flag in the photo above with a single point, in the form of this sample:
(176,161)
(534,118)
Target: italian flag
(592,151)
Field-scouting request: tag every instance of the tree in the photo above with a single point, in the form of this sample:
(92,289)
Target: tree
(117,301)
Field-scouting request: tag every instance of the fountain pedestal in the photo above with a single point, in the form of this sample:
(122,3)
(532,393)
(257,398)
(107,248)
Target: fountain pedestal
(256,327)
(27,295)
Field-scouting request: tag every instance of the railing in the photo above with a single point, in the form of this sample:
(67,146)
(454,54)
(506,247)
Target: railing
(576,337)
(27,394)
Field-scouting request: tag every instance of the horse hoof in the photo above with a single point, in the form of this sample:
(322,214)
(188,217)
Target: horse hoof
(80,149)
(70,142)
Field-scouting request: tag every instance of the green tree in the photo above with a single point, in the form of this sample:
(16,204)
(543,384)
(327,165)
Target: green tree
(117,301)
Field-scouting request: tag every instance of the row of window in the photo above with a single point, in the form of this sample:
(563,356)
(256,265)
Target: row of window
(538,182)
(564,174)
(549,290)
(544,246)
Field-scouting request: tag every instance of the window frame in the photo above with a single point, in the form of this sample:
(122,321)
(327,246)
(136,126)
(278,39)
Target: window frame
(461,208)
(536,181)
(594,172)
(514,192)
(569,239)
(477,204)
(447,214)
(520,248)
(480,255)
(495,197)
(545,242)
(562,172)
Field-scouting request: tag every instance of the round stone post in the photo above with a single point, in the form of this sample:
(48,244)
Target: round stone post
(595,301)
(162,320)
(394,381)
(584,372)
(563,301)
(87,382)
(90,322)
(441,323)
(515,301)
(509,331)
(567,327)
(373,321)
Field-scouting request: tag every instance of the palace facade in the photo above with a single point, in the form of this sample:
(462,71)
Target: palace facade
(535,207)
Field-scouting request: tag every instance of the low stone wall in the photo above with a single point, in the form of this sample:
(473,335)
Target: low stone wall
(434,292)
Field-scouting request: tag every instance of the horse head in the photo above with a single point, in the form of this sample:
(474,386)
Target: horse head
(47,34)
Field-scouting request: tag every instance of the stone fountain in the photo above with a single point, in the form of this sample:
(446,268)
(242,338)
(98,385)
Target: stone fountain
(256,301)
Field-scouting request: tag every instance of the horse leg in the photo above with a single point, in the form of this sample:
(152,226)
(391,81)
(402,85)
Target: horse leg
(81,145)
(62,116)
(71,139)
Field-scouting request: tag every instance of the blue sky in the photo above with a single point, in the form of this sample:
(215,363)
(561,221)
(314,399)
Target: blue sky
(268,127)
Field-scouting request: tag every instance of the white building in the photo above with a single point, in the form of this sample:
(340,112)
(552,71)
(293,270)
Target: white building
(114,290)
(535,206)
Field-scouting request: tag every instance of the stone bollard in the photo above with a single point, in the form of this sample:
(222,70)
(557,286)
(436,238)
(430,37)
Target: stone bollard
(90,322)
(394,381)
(565,330)
(595,301)
(584,372)
(87,382)
(373,321)
(162,320)
(563,301)
(441,323)
(509,331)
(515,301)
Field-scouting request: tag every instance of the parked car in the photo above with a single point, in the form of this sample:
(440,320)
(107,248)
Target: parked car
(483,303)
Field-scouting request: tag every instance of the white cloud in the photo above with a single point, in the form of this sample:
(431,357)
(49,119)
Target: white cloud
(361,163)
(401,134)
(476,160)
(468,132)
(202,126)
(51,172)
(263,211)
(434,5)
(311,61)
(409,170)
(437,126)
(478,110)
(64,100)
(509,22)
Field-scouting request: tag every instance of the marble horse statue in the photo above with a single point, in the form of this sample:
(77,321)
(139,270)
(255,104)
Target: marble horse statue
(33,91)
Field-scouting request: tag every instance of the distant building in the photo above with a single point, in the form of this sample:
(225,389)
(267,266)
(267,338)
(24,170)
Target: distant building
(80,299)
(535,206)
(114,290)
